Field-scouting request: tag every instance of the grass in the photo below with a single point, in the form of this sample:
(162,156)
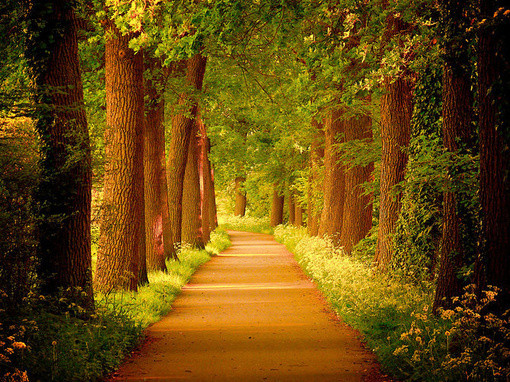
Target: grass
(245,223)
(55,341)
(395,317)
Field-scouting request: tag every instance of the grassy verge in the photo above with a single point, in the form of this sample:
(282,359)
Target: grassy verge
(245,223)
(396,320)
(56,346)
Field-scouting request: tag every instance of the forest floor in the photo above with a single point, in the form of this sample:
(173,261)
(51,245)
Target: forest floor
(251,314)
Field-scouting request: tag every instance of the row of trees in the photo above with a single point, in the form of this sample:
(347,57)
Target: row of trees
(388,126)
(384,120)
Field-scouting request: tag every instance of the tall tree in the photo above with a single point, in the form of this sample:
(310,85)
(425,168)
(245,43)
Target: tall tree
(334,177)
(157,225)
(65,190)
(316,155)
(457,136)
(277,206)
(493,75)
(206,185)
(182,125)
(357,208)
(396,110)
(191,200)
(123,203)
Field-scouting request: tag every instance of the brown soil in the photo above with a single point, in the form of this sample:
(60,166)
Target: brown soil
(250,314)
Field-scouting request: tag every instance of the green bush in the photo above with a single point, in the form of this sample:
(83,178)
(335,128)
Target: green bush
(245,223)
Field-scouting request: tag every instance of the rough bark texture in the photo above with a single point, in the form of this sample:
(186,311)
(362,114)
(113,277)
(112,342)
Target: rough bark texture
(316,155)
(240,207)
(157,230)
(65,192)
(457,115)
(205,182)
(357,213)
(396,110)
(182,125)
(494,74)
(191,199)
(213,213)
(123,203)
(334,178)
(277,207)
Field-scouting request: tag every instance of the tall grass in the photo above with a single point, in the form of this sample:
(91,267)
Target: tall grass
(245,223)
(396,320)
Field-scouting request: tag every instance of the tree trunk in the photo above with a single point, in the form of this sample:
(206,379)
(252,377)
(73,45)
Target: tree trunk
(314,184)
(457,115)
(357,213)
(396,111)
(298,221)
(277,207)
(157,232)
(292,208)
(494,75)
(240,207)
(334,178)
(213,217)
(123,204)
(191,199)
(205,182)
(182,125)
(65,191)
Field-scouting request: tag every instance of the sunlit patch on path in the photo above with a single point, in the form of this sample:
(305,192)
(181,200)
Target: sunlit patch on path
(250,314)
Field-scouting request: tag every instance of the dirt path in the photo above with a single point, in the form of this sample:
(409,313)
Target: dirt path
(250,314)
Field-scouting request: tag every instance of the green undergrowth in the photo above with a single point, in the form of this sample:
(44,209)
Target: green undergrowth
(245,223)
(55,340)
(396,321)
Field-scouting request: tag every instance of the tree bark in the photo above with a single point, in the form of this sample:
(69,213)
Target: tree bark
(292,208)
(157,230)
(191,199)
(334,178)
(277,207)
(396,111)
(357,213)
(316,155)
(123,203)
(494,74)
(240,207)
(65,191)
(457,116)
(205,182)
(213,213)
(298,221)
(182,125)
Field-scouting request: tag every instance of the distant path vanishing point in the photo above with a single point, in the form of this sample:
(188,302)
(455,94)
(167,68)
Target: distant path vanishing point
(251,314)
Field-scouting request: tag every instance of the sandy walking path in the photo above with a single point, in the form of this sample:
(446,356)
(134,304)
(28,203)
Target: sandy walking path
(250,314)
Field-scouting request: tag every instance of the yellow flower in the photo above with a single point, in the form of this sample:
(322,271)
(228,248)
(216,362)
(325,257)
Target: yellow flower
(19,345)
(54,343)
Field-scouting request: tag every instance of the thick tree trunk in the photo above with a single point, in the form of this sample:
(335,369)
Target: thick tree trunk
(191,200)
(65,191)
(157,230)
(240,207)
(457,116)
(123,203)
(396,111)
(494,75)
(276,207)
(357,213)
(334,178)
(182,125)
(316,156)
